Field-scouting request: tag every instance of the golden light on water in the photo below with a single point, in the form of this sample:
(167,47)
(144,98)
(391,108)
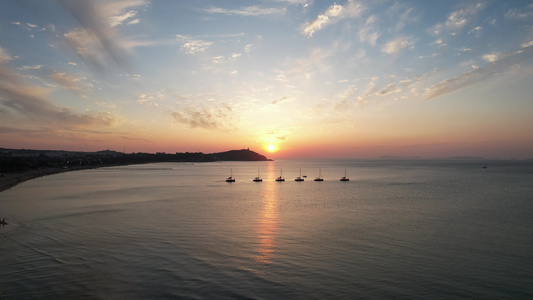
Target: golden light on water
(267,223)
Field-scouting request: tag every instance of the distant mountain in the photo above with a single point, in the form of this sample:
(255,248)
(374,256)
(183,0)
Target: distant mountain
(42,155)
(238,155)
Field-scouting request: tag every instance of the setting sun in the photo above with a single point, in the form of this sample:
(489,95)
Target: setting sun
(271,148)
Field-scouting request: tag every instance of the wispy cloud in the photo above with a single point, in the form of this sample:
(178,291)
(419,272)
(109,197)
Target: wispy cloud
(396,45)
(97,42)
(125,17)
(520,13)
(368,33)
(34,67)
(404,15)
(192,45)
(246,11)
(499,63)
(4,56)
(351,96)
(527,44)
(275,135)
(492,57)
(151,100)
(282,100)
(206,117)
(333,14)
(21,99)
(390,89)
(457,19)
(71,82)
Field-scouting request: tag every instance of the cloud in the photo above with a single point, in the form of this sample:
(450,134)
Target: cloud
(120,19)
(4,56)
(18,99)
(398,44)
(96,41)
(390,89)
(7,130)
(405,17)
(457,19)
(516,13)
(498,64)
(206,117)
(247,11)
(367,33)
(192,45)
(282,99)
(350,96)
(73,83)
(151,100)
(88,46)
(492,57)
(528,44)
(476,31)
(34,67)
(332,15)
(274,136)
(248,48)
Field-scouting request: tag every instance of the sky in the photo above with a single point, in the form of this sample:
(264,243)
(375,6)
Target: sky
(303,78)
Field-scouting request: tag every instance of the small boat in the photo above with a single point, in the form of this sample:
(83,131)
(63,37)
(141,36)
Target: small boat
(319,178)
(299,178)
(280,178)
(258,179)
(231,179)
(345,178)
(3,221)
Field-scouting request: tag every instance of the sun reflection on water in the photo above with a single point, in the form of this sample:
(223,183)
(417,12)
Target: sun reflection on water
(267,223)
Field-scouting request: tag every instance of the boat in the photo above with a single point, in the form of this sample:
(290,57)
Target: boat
(299,178)
(280,178)
(231,179)
(3,221)
(345,178)
(258,179)
(319,178)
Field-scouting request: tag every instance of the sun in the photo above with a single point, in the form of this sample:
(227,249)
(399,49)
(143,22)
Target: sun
(271,148)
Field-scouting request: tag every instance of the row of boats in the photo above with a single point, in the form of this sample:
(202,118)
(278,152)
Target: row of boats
(281,178)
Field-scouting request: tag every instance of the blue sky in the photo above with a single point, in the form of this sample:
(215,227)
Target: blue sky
(313,78)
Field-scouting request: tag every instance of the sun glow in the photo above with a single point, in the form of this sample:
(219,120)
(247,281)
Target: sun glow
(271,148)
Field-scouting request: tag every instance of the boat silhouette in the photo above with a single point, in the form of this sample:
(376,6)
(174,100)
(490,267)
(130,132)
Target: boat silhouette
(230,178)
(345,178)
(319,178)
(299,178)
(258,179)
(280,178)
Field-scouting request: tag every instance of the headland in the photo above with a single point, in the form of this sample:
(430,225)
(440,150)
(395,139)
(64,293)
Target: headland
(19,165)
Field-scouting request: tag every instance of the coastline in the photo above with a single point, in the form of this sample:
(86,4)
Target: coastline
(12,160)
(10,180)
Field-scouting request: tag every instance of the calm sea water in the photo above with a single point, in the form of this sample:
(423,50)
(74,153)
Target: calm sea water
(397,229)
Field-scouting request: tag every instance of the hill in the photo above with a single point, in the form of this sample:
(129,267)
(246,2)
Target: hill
(16,160)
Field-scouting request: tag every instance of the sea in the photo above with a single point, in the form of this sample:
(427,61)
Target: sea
(398,229)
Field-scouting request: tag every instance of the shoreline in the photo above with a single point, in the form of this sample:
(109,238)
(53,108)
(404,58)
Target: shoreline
(10,180)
